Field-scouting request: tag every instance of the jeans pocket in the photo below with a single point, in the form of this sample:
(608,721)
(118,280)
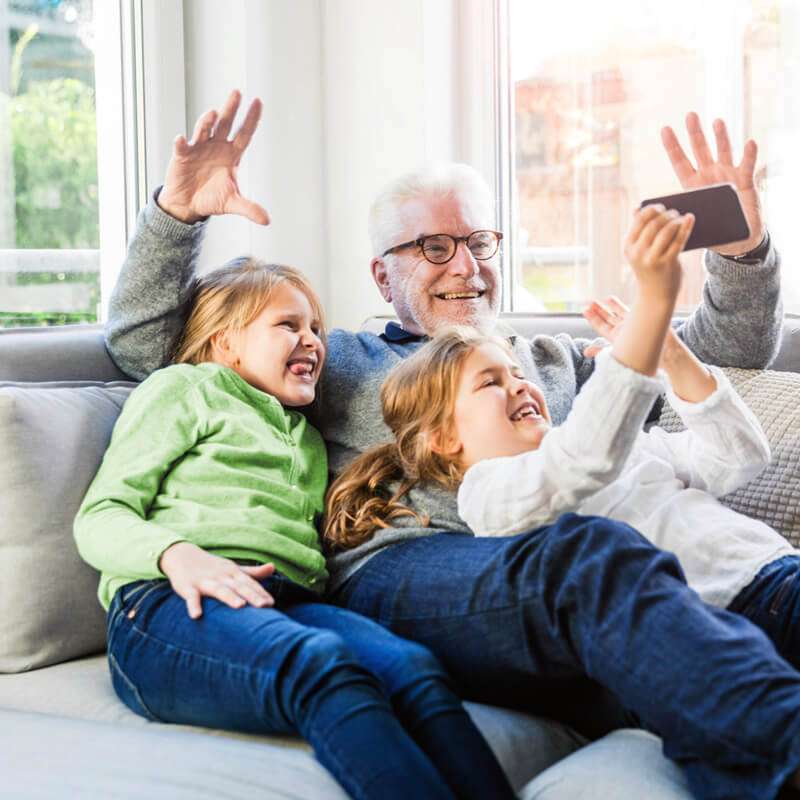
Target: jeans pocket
(131,601)
(127,691)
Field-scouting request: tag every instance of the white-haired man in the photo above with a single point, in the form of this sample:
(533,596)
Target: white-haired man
(523,622)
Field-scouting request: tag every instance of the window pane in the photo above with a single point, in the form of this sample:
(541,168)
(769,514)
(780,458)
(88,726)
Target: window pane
(589,102)
(49,236)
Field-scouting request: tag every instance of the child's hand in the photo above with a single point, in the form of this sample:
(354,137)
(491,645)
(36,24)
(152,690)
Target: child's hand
(606,319)
(194,574)
(652,246)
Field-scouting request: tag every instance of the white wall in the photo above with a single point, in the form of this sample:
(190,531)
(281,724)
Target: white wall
(355,92)
(388,99)
(271,50)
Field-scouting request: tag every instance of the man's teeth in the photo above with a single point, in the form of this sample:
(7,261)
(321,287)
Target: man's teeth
(460,295)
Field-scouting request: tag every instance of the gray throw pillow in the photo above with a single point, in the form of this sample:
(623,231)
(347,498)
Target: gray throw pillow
(773,496)
(52,440)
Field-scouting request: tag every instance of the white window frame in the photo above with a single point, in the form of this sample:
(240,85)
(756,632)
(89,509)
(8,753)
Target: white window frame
(140,104)
(141,100)
(483,57)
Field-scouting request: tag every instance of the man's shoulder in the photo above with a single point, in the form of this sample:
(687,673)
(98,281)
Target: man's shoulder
(350,347)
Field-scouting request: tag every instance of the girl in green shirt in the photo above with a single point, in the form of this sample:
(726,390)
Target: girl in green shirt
(201,521)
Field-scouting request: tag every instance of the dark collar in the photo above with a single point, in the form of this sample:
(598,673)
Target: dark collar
(395,333)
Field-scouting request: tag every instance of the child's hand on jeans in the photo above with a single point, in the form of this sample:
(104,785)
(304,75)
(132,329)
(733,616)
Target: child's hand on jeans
(194,574)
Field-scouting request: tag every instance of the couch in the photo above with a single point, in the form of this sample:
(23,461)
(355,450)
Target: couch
(63,732)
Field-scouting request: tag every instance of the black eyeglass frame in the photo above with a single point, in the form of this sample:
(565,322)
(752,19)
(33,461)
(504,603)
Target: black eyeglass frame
(420,242)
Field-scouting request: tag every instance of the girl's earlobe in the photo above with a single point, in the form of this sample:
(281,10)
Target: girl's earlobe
(222,350)
(444,443)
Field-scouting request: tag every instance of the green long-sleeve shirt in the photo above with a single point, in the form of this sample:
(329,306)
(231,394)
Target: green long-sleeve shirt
(199,455)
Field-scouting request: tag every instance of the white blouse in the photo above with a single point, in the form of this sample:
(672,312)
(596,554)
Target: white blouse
(600,462)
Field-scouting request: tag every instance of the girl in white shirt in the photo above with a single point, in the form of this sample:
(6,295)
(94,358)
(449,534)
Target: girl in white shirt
(464,416)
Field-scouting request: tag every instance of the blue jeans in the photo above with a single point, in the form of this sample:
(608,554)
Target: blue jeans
(519,620)
(378,710)
(772,601)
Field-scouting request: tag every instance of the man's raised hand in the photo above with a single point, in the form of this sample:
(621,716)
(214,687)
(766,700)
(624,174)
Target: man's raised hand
(720,170)
(201,176)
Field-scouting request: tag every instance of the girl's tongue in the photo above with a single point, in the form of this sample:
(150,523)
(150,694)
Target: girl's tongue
(300,368)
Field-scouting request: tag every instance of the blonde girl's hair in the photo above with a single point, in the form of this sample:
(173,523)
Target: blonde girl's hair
(418,400)
(232,296)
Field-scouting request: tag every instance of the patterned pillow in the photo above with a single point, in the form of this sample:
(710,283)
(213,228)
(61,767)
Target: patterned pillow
(774,496)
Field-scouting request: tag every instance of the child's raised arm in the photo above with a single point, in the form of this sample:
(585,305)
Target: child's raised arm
(652,246)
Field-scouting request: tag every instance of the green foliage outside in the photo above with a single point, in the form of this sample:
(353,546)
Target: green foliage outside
(54,141)
(55,165)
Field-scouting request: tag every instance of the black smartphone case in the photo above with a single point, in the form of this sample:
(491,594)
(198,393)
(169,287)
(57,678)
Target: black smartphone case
(718,215)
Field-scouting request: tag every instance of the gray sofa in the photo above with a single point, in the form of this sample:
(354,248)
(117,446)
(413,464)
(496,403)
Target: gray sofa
(63,732)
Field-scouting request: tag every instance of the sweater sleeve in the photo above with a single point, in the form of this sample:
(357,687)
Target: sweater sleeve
(739,321)
(150,303)
(723,446)
(504,496)
(158,425)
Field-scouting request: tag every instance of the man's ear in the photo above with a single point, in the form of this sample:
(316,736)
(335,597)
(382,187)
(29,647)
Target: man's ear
(445,443)
(381,277)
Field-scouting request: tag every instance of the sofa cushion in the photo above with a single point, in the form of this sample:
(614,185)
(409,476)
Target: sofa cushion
(81,690)
(54,757)
(773,496)
(52,439)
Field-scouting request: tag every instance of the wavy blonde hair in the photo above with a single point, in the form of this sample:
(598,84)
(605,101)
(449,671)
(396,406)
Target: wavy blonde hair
(418,399)
(230,298)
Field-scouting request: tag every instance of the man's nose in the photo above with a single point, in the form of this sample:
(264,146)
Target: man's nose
(463,263)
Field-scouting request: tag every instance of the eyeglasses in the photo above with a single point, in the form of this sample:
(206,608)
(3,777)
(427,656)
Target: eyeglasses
(439,248)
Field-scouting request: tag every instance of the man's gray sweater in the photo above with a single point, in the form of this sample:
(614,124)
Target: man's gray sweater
(738,323)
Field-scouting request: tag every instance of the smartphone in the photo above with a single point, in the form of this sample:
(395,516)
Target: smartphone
(718,214)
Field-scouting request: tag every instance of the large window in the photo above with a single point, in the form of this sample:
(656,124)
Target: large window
(591,84)
(49,232)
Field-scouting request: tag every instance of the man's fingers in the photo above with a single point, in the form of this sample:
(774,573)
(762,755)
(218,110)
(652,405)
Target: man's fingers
(202,129)
(247,208)
(680,163)
(747,166)
(248,127)
(724,154)
(227,115)
(181,146)
(697,139)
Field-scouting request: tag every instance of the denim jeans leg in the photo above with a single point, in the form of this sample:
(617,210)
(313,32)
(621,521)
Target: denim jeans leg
(772,601)
(590,596)
(257,670)
(422,697)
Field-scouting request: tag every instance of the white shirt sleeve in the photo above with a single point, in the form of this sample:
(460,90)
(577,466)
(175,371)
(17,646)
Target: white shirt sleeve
(723,446)
(503,496)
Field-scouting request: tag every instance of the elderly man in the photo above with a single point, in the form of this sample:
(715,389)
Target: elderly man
(523,621)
